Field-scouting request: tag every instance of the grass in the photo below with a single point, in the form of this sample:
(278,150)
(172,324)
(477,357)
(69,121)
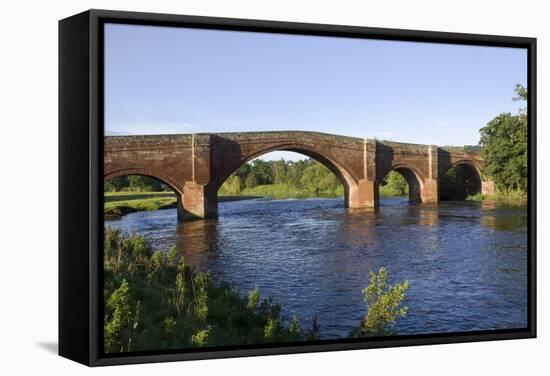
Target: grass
(478,197)
(133,195)
(118,208)
(117,204)
(510,198)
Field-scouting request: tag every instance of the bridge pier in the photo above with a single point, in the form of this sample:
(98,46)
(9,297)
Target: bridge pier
(198,202)
(363,195)
(488,187)
(429,192)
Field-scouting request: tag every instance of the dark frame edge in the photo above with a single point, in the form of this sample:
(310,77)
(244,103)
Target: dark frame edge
(290,27)
(532,173)
(305,349)
(74,330)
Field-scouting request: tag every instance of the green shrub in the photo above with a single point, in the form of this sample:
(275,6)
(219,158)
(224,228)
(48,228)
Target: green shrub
(383,306)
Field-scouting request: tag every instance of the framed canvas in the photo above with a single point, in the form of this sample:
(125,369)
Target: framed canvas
(234,187)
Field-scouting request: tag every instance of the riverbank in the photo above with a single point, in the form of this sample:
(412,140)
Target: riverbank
(284,191)
(510,198)
(117,204)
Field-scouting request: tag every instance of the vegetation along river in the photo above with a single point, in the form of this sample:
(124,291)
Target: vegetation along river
(466,262)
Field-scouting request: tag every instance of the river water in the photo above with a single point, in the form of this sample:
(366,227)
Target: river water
(466,263)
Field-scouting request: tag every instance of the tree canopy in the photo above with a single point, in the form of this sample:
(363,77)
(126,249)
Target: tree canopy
(504,142)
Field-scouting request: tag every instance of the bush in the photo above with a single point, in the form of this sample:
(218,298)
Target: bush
(384,306)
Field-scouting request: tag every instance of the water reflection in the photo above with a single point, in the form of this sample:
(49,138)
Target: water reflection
(503,218)
(466,262)
(197,241)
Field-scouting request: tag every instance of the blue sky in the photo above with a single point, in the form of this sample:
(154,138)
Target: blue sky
(174,80)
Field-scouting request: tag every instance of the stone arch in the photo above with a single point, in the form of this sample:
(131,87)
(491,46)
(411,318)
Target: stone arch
(348,181)
(470,173)
(163,178)
(467,162)
(414,180)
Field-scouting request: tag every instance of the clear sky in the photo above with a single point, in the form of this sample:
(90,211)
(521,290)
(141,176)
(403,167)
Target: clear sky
(162,80)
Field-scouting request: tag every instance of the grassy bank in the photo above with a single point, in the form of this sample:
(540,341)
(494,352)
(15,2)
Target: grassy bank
(117,204)
(510,198)
(120,203)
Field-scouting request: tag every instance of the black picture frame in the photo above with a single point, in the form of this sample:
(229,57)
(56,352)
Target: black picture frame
(81,183)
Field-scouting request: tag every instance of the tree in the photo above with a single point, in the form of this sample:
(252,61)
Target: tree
(394,184)
(116,184)
(311,176)
(232,186)
(251,181)
(504,141)
(263,171)
(279,171)
(295,172)
(243,172)
(384,305)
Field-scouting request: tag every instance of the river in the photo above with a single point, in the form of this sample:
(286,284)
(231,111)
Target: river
(466,262)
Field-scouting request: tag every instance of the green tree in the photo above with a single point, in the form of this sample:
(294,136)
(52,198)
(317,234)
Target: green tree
(243,172)
(318,178)
(232,186)
(384,305)
(279,171)
(504,142)
(116,184)
(251,181)
(394,184)
(262,170)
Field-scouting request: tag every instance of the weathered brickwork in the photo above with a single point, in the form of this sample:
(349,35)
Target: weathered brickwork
(196,165)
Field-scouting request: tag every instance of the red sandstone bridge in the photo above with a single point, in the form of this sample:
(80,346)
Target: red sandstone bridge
(194,166)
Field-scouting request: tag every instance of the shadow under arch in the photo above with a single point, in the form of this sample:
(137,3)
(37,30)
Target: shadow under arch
(462,179)
(412,177)
(345,178)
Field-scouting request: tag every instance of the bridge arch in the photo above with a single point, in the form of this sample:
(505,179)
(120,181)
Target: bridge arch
(167,180)
(412,176)
(349,182)
(158,175)
(463,178)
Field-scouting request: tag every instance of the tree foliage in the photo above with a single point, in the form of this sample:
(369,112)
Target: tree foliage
(304,176)
(384,305)
(504,142)
(394,184)
(135,183)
